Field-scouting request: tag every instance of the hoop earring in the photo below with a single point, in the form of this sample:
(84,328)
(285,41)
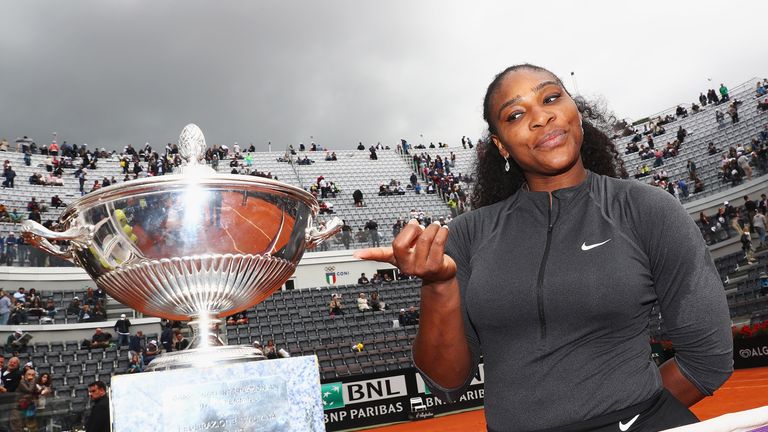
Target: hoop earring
(506,165)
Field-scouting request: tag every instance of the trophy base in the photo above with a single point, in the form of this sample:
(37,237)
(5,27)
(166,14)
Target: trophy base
(205,356)
(248,396)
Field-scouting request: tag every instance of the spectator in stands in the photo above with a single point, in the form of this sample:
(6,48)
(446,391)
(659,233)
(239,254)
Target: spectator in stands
(5,307)
(35,308)
(11,376)
(166,336)
(346,234)
(237,319)
(681,134)
(85,314)
(376,279)
(56,202)
(99,313)
(733,111)
(45,389)
(357,196)
(10,176)
(762,105)
(719,117)
(50,308)
(362,302)
(16,342)
(397,226)
(377,303)
(99,420)
(724,93)
(373,155)
(24,416)
(743,161)
(151,352)
(362,280)
(758,221)
(373,233)
(15,216)
(181,342)
(100,339)
(336,307)
(746,246)
(20,295)
(123,329)
(74,306)
(136,344)
(270,350)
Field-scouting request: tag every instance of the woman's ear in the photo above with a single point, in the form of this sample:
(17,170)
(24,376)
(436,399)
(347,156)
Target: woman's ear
(504,153)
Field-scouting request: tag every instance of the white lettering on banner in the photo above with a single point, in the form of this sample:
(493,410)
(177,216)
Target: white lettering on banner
(375,389)
(377,410)
(431,401)
(754,352)
(335,416)
(473,394)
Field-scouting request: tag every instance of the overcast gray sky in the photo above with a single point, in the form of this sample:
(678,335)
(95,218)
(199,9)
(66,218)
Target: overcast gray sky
(110,73)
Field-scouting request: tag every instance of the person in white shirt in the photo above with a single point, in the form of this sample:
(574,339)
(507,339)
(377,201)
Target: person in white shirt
(362,303)
(758,221)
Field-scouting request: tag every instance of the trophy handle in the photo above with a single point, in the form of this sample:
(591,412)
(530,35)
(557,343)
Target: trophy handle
(39,236)
(315,236)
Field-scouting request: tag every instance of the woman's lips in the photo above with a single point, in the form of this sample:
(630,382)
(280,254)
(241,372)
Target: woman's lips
(551,140)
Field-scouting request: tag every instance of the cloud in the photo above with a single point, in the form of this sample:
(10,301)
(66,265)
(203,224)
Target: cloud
(113,73)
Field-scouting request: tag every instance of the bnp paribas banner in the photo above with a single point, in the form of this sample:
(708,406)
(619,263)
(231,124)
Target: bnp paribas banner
(388,397)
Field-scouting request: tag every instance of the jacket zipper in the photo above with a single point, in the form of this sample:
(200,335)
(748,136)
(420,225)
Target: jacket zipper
(540,280)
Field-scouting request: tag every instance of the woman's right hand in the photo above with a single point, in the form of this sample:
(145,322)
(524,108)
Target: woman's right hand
(417,251)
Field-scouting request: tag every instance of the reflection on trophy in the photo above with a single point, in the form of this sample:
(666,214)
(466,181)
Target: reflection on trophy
(195,246)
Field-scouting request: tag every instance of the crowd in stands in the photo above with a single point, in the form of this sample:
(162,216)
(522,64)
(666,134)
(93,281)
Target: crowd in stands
(740,220)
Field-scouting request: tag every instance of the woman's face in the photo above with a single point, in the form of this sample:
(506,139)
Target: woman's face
(537,122)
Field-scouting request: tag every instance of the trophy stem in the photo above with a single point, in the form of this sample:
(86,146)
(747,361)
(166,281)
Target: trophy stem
(205,330)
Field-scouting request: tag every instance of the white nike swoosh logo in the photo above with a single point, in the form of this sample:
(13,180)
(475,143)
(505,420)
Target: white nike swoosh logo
(625,427)
(584,246)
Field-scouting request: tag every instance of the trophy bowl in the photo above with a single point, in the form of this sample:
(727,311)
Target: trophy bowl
(192,246)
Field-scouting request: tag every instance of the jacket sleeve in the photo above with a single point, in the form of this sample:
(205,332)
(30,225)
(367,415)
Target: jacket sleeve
(457,247)
(691,296)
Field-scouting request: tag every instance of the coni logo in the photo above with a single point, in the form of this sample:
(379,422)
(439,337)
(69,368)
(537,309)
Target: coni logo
(754,352)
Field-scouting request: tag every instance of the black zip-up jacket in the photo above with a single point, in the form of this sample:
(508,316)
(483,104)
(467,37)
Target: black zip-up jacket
(559,299)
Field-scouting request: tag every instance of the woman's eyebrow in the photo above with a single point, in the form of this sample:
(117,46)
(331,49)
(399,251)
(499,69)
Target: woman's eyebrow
(535,89)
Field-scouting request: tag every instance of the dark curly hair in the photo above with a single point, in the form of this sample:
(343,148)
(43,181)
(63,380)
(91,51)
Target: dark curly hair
(598,152)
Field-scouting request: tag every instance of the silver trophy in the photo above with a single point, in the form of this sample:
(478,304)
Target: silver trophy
(196,246)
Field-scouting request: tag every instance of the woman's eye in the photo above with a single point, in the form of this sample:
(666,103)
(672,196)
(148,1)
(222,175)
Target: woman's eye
(552,98)
(514,116)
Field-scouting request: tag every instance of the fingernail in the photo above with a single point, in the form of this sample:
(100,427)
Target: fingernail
(436,222)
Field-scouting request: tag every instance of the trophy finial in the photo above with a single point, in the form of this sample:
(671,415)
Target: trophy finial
(191,144)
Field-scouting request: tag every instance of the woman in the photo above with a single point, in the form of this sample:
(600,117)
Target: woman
(270,350)
(377,303)
(335,307)
(556,272)
(44,388)
(135,365)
